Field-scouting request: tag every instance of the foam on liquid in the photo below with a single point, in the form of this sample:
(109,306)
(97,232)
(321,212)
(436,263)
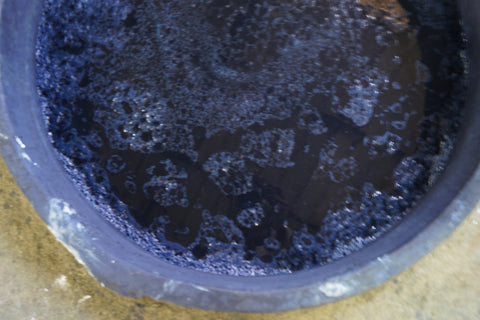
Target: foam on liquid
(250,137)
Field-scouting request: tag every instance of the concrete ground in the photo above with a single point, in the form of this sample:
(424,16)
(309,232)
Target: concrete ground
(40,279)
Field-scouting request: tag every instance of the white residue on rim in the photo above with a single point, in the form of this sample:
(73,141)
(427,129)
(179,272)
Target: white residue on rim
(334,289)
(20,142)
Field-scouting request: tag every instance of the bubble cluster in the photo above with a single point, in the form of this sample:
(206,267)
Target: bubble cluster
(338,170)
(166,191)
(115,164)
(251,217)
(270,148)
(363,98)
(388,142)
(250,137)
(228,172)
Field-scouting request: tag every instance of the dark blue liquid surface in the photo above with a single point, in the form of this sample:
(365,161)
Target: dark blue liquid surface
(250,137)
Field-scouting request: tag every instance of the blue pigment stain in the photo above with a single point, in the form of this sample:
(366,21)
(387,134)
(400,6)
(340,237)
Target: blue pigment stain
(250,137)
